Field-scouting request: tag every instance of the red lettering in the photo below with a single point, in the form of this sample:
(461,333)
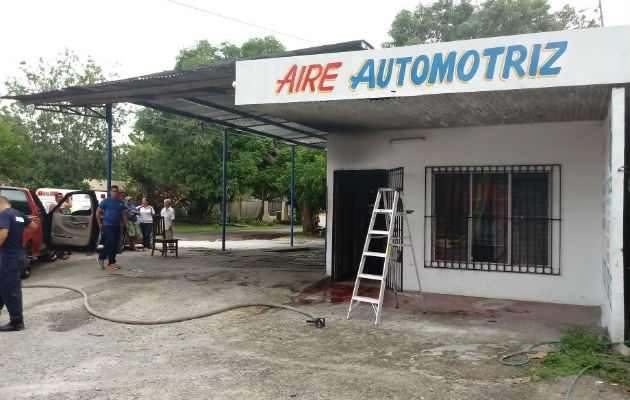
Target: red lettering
(310,79)
(313,76)
(327,76)
(289,78)
(299,81)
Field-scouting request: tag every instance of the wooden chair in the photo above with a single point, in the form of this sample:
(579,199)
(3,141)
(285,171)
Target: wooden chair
(159,236)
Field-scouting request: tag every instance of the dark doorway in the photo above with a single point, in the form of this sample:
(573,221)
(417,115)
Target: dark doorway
(353,202)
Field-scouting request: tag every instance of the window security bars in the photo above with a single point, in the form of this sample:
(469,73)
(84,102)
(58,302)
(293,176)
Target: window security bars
(493,218)
(395,179)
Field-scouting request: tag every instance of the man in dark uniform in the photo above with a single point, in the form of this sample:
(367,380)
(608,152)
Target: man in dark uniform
(12,258)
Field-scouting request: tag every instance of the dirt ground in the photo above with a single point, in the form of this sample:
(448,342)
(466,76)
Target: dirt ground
(254,353)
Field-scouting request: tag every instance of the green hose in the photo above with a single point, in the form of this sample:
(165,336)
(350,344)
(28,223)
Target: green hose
(579,375)
(89,309)
(531,350)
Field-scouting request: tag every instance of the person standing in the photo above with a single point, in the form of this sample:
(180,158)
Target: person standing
(66,209)
(169,217)
(58,199)
(146,223)
(13,223)
(109,215)
(132,219)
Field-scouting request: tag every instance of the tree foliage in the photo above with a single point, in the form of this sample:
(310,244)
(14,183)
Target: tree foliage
(310,181)
(66,149)
(182,157)
(14,154)
(203,52)
(448,20)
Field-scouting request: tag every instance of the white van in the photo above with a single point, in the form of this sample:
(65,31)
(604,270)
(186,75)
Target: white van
(79,201)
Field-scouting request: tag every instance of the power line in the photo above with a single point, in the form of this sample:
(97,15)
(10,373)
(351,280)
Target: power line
(240,21)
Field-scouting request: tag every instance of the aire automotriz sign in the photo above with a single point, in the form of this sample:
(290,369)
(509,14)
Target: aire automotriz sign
(566,58)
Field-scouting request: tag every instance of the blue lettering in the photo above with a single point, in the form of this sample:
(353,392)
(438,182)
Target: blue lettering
(402,69)
(462,75)
(365,75)
(534,59)
(416,79)
(384,73)
(442,67)
(516,63)
(492,53)
(558,48)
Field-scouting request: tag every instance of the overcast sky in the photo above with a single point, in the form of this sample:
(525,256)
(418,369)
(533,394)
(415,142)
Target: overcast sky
(137,37)
(134,37)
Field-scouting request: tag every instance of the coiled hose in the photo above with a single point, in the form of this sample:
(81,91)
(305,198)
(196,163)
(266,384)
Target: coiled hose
(318,322)
(504,360)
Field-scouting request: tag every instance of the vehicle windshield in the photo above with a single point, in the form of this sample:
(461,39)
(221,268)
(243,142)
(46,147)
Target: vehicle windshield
(18,200)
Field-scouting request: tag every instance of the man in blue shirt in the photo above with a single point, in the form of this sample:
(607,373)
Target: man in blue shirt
(109,215)
(13,223)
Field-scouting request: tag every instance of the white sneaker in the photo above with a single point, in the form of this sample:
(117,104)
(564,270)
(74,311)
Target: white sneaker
(101,263)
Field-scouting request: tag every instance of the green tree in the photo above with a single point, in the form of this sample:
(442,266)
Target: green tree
(310,181)
(448,20)
(203,52)
(261,47)
(182,157)
(14,154)
(66,149)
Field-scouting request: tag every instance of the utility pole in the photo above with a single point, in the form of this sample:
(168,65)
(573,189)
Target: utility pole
(601,14)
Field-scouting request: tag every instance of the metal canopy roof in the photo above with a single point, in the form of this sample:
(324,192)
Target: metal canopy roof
(203,92)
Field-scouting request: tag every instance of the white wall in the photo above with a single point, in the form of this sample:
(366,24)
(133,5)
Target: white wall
(612,219)
(576,146)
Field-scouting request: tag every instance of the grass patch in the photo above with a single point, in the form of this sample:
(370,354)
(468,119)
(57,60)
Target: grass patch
(186,227)
(579,349)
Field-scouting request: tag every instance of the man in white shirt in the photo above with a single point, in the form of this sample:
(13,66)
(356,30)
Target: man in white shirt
(169,217)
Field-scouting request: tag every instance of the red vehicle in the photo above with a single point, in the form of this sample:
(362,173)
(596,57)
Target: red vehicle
(27,202)
(56,231)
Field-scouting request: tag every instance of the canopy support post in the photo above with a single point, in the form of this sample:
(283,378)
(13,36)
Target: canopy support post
(224,202)
(108,120)
(292,188)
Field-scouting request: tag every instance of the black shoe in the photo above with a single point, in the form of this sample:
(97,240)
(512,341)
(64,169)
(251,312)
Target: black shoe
(12,326)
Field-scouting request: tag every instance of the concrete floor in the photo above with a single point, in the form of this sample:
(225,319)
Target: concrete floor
(492,309)
(254,353)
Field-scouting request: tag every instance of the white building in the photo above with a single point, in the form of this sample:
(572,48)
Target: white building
(511,152)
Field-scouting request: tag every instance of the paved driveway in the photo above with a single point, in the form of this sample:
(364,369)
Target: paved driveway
(253,353)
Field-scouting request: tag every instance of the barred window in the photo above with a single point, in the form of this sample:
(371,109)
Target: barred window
(493,218)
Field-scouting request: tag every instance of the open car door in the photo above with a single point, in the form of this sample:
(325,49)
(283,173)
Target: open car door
(76,228)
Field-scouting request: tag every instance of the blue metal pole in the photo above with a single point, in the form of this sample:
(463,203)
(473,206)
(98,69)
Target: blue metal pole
(108,120)
(224,205)
(292,188)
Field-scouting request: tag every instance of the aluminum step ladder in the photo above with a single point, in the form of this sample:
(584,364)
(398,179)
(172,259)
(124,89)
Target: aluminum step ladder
(389,202)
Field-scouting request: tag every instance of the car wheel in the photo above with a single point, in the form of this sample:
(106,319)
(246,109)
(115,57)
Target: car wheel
(49,256)
(26,269)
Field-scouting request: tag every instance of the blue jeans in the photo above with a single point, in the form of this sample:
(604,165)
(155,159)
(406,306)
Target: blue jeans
(11,286)
(110,236)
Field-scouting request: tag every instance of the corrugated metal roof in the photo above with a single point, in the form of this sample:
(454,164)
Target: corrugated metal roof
(204,92)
